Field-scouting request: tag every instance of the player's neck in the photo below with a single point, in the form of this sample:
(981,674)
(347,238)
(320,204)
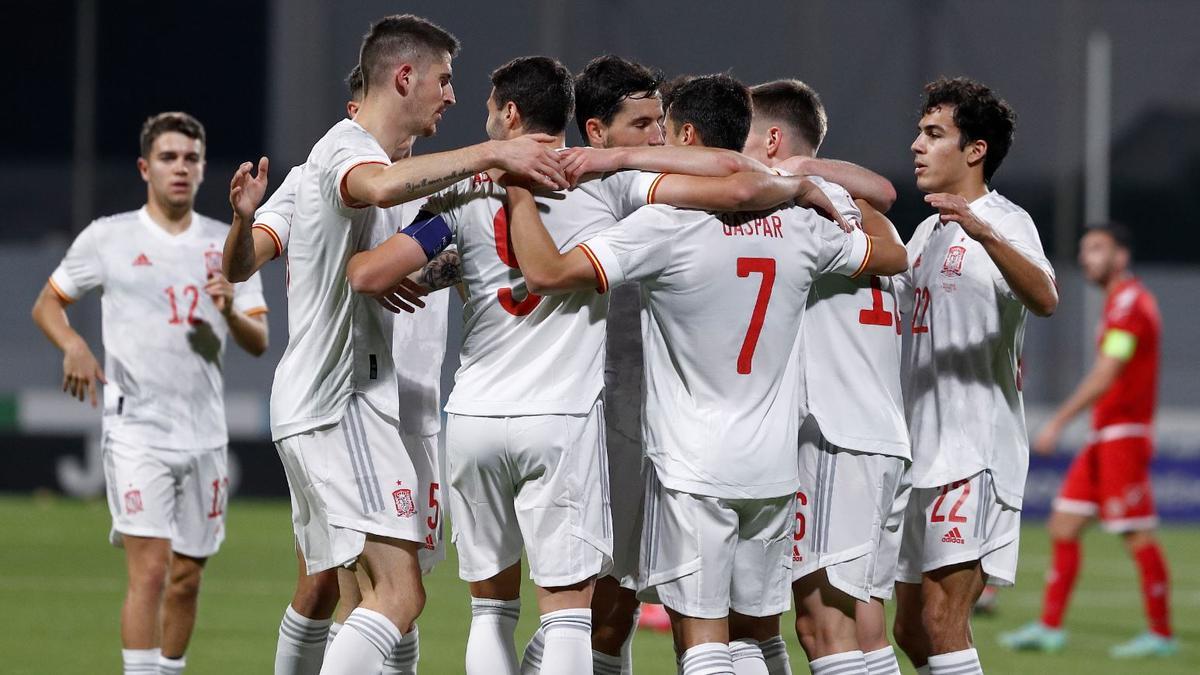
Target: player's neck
(969,188)
(1116,280)
(172,219)
(379,121)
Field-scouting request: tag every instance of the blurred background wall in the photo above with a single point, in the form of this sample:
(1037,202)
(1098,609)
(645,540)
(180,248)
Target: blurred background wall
(1107,94)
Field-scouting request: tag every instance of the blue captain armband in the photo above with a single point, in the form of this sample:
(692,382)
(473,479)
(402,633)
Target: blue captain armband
(431,231)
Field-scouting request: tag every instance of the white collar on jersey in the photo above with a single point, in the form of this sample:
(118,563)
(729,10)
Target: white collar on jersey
(158,231)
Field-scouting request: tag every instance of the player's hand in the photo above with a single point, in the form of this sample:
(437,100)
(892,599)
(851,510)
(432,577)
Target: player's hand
(221,292)
(534,158)
(813,197)
(246,192)
(81,372)
(955,209)
(405,297)
(1047,440)
(579,162)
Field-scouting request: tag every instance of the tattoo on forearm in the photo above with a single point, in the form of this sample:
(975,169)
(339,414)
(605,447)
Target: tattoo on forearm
(413,187)
(443,271)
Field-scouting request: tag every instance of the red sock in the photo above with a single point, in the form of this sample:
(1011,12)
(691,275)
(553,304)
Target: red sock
(1060,580)
(1156,589)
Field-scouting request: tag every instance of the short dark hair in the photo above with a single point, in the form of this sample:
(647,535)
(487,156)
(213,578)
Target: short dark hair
(401,35)
(542,90)
(718,106)
(354,81)
(667,88)
(157,125)
(795,104)
(605,82)
(979,115)
(1120,234)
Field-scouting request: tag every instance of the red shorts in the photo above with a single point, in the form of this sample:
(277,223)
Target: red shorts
(1111,479)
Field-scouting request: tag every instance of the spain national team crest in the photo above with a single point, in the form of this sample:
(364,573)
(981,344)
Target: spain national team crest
(405,507)
(212,262)
(133,502)
(952,267)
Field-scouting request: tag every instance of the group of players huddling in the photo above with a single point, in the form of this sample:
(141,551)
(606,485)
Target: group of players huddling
(730,435)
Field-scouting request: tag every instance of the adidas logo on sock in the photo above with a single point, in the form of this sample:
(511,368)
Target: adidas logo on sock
(141,260)
(953,537)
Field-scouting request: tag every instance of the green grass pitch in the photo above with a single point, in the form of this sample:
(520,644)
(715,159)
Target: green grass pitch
(61,586)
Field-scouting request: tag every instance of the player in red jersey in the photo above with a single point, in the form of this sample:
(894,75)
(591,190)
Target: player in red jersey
(1110,478)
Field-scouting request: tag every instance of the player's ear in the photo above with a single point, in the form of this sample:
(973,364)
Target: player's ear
(595,132)
(144,168)
(405,78)
(512,116)
(774,141)
(976,150)
(688,134)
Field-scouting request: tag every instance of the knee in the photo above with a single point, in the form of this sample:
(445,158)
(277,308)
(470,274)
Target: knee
(1135,541)
(185,583)
(150,576)
(941,620)
(807,633)
(317,595)
(910,639)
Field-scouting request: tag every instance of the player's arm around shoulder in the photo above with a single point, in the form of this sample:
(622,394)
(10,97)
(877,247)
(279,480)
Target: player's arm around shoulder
(378,270)
(888,256)
(546,271)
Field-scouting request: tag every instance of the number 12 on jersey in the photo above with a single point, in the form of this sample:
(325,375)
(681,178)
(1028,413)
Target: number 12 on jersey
(746,267)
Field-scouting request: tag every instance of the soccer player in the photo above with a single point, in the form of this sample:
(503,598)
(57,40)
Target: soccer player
(976,269)
(854,444)
(524,444)
(334,407)
(166,311)
(1110,479)
(722,406)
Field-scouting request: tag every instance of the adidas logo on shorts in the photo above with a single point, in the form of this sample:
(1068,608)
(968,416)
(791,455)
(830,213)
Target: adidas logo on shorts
(953,537)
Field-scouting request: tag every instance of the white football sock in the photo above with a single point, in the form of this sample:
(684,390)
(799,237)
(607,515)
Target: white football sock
(568,641)
(776,656)
(710,658)
(882,662)
(403,659)
(531,662)
(168,666)
(140,661)
(627,646)
(360,647)
(301,645)
(605,664)
(747,657)
(842,663)
(490,647)
(333,631)
(965,662)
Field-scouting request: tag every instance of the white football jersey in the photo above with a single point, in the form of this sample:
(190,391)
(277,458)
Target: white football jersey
(850,341)
(723,297)
(525,354)
(164,339)
(339,342)
(963,377)
(418,339)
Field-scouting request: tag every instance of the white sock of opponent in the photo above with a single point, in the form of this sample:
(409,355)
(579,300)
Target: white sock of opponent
(365,640)
(605,664)
(776,656)
(404,657)
(710,658)
(627,646)
(568,641)
(844,663)
(490,647)
(965,662)
(168,666)
(882,662)
(747,658)
(140,661)
(301,645)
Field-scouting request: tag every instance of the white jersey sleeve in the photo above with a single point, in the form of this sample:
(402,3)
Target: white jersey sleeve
(625,191)
(275,215)
(81,269)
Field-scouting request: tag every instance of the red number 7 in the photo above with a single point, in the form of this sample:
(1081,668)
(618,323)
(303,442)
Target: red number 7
(746,267)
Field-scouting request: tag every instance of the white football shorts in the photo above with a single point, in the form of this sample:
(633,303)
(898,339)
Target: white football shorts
(842,509)
(532,482)
(702,556)
(958,523)
(351,479)
(179,495)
